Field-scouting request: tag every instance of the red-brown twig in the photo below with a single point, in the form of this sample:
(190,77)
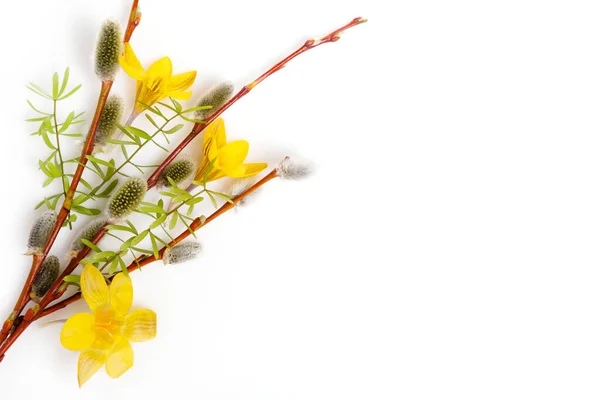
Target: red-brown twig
(54,292)
(63,214)
(136,264)
(199,127)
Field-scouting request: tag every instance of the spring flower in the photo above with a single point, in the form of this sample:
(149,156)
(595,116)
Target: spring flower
(104,336)
(227,159)
(155,83)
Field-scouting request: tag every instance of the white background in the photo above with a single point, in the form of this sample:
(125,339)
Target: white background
(446,247)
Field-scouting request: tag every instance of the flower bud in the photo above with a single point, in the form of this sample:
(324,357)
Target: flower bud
(111,116)
(40,232)
(182,253)
(178,171)
(127,198)
(108,50)
(293,171)
(216,97)
(88,233)
(45,278)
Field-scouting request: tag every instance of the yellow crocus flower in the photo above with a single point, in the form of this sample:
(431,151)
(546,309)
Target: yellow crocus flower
(157,82)
(103,336)
(227,158)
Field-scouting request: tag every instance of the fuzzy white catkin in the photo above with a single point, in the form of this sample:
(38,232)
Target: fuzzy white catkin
(40,232)
(126,198)
(287,169)
(239,186)
(88,232)
(181,253)
(45,278)
(108,50)
(215,98)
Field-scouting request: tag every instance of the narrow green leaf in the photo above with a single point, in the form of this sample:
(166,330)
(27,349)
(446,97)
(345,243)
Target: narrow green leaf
(72,279)
(173,220)
(55,85)
(159,221)
(139,238)
(111,186)
(174,129)
(120,228)
(72,92)
(64,81)
(67,122)
(86,211)
(36,110)
(91,245)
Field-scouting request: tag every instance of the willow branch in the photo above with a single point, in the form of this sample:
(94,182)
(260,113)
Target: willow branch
(65,209)
(140,262)
(55,292)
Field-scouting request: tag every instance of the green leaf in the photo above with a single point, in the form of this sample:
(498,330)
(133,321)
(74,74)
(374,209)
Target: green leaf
(173,220)
(72,92)
(212,198)
(196,121)
(195,200)
(125,142)
(151,109)
(55,85)
(138,132)
(54,171)
(113,266)
(86,211)
(189,110)
(154,245)
(67,122)
(38,119)
(111,186)
(139,238)
(47,140)
(103,255)
(98,160)
(144,251)
(38,90)
(159,221)
(64,82)
(131,226)
(47,182)
(174,129)
(120,228)
(36,110)
(152,121)
(177,105)
(151,208)
(72,279)
(123,266)
(91,245)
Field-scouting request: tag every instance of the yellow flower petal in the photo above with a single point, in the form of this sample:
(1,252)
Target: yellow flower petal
(79,332)
(120,358)
(94,288)
(182,82)
(130,63)
(93,358)
(139,326)
(246,170)
(159,72)
(121,294)
(232,155)
(179,95)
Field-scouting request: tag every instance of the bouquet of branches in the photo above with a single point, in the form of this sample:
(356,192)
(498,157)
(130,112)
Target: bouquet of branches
(101,190)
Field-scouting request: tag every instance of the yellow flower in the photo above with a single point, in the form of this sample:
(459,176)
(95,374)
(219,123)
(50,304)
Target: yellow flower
(226,158)
(103,337)
(157,82)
